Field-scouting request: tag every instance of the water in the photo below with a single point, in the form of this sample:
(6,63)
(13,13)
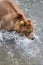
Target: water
(19,50)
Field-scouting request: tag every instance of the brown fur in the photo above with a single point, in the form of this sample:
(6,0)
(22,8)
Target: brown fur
(12,18)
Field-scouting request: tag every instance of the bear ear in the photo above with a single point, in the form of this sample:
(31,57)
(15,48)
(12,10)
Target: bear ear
(21,22)
(29,20)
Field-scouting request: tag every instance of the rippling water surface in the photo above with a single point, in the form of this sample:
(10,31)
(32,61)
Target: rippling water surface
(19,50)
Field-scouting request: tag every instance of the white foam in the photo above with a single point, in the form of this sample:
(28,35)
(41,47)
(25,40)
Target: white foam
(37,38)
(1,37)
(25,44)
(22,40)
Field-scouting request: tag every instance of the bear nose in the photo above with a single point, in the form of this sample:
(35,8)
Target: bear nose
(32,38)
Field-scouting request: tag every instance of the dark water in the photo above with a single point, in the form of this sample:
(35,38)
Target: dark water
(18,50)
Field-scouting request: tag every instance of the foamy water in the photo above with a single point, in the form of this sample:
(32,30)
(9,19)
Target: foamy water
(22,42)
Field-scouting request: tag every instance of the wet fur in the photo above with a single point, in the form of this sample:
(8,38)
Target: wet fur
(12,18)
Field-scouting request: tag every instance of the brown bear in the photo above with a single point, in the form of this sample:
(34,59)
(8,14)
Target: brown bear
(12,18)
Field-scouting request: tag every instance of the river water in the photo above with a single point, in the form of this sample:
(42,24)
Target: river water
(19,50)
